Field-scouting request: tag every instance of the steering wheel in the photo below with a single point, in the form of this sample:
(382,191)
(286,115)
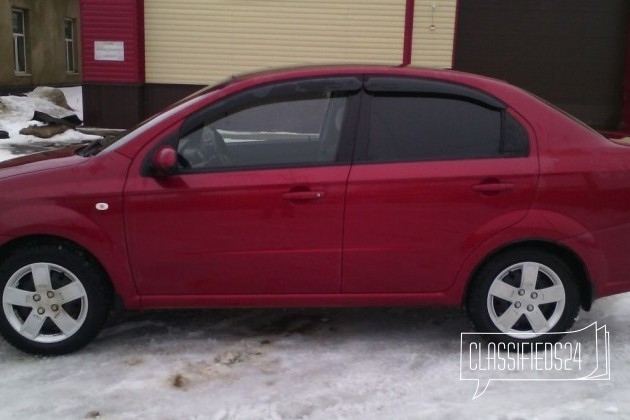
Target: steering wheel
(203,149)
(213,148)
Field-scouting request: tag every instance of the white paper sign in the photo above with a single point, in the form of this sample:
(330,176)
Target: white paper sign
(109,51)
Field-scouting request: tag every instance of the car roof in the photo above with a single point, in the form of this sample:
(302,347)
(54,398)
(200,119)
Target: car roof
(328,70)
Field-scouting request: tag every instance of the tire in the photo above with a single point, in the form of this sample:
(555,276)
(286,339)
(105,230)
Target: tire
(55,299)
(526,295)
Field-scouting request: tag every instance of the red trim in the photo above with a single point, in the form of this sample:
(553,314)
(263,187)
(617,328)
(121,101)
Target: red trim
(625,107)
(141,45)
(454,51)
(408,40)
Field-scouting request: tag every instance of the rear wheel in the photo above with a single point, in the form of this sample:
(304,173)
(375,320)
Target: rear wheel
(525,294)
(55,299)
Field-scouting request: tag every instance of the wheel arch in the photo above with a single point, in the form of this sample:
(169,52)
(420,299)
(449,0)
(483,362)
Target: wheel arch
(47,239)
(16,243)
(118,275)
(575,263)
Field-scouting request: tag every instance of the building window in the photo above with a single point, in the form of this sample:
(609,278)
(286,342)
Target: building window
(19,40)
(69,31)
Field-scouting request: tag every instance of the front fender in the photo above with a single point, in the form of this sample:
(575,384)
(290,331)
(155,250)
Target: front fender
(61,201)
(101,233)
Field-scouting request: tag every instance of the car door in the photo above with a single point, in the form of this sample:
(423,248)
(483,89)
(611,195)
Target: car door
(439,168)
(256,204)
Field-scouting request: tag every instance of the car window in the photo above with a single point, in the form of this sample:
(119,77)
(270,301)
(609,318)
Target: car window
(415,127)
(296,129)
(515,138)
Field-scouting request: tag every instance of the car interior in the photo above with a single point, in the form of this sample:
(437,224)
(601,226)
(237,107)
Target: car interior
(251,138)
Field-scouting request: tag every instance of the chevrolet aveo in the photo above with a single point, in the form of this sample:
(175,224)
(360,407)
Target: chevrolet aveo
(337,186)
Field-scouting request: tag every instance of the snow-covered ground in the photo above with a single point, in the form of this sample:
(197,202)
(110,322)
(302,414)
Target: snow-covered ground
(16,113)
(298,364)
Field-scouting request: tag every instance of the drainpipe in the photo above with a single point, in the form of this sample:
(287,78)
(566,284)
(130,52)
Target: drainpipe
(408,37)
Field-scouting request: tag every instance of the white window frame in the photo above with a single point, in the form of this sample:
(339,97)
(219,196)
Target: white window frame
(19,38)
(70,46)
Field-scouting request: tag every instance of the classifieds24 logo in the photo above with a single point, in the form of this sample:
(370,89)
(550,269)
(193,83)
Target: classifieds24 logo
(582,355)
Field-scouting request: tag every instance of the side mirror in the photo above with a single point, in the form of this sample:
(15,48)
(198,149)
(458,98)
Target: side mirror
(164,160)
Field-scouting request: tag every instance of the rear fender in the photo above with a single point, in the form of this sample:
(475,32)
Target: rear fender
(539,226)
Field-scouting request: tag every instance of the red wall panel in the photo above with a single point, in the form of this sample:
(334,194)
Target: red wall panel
(113,20)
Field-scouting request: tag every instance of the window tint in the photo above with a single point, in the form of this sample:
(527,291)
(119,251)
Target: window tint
(292,130)
(404,128)
(516,140)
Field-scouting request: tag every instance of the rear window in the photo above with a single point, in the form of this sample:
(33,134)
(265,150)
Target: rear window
(407,128)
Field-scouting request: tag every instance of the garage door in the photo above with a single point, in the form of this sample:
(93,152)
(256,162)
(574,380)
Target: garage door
(570,52)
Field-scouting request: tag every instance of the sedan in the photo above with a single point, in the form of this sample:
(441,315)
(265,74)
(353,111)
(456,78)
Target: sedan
(321,186)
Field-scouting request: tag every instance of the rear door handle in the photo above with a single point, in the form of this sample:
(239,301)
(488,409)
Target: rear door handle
(303,195)
(495,187)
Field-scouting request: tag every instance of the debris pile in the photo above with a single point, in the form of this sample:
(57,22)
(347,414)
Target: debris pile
(49,109)
(37,121)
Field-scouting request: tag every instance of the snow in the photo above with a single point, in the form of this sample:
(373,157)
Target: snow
(372,363)
(231,136)
(16,113)
(5,154)
(74,97)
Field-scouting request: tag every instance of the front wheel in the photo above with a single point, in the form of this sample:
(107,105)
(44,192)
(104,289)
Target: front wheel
(526,295)
(55,299)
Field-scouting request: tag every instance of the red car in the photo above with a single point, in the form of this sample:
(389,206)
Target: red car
(333,186)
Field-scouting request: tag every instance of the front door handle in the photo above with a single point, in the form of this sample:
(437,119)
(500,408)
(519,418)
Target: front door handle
(494,187)
(303,195)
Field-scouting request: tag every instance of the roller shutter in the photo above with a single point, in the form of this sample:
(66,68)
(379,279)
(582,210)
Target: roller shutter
(204,41)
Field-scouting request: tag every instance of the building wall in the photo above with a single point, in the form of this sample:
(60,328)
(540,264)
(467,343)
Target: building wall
(433,33)
(572,53)
(115,22)
(46,57)
(114,71)
(192,43)
(625,110)
(206,41)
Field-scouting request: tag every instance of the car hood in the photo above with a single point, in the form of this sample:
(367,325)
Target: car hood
(40,161)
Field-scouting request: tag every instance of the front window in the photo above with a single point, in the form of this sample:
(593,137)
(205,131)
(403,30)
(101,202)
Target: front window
(69,39)
(19,40)
(286,131)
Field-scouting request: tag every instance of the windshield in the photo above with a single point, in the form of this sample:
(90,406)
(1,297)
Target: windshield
(150,123)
